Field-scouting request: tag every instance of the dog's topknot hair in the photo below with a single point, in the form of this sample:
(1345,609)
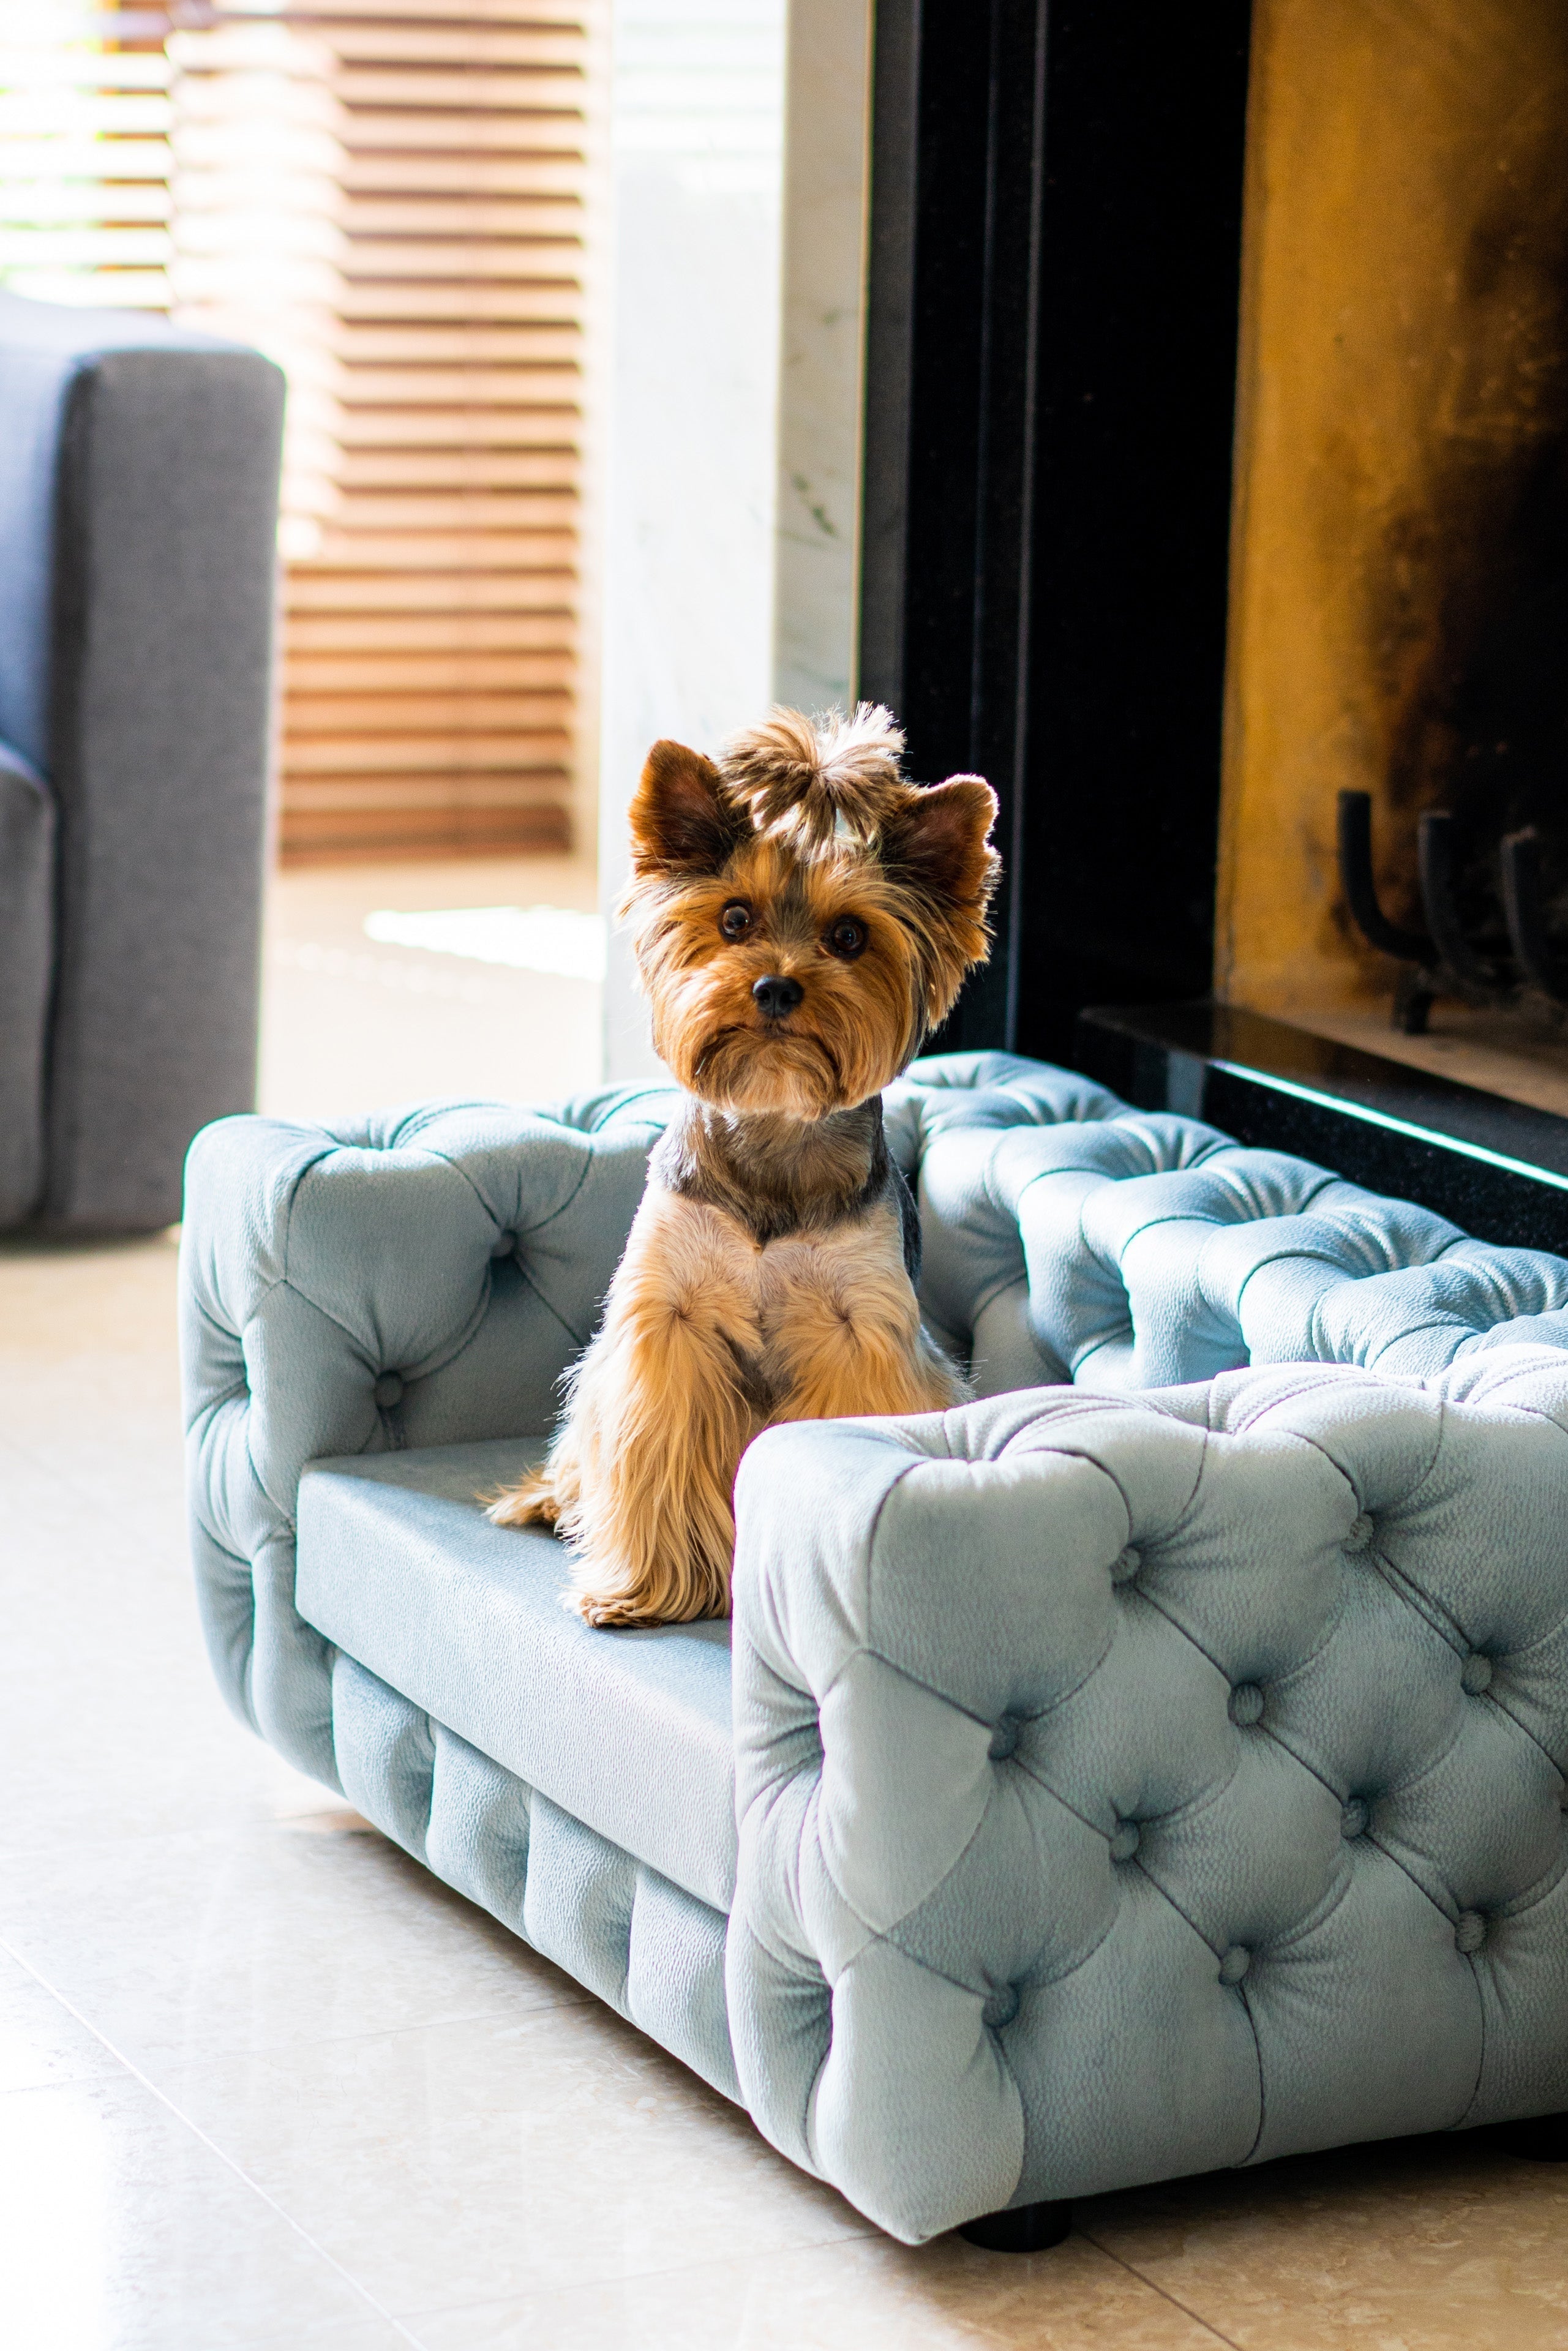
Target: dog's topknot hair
(823,775)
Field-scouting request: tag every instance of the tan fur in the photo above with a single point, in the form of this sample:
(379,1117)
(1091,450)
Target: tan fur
(708,1338)
(867,1018)
(764,1278)
(639,1480)
(844,1331)
(819,772)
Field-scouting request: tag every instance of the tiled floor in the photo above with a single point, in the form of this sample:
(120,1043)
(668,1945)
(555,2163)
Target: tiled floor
(352,1024)
(263,2081)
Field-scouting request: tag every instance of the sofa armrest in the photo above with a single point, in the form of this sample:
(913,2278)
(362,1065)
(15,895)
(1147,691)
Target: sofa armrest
(1133,1786)
(27,938)
(139,471)
(420,1277)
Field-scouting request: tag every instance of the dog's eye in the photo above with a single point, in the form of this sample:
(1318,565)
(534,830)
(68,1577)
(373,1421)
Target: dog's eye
(736,919)
(846,938)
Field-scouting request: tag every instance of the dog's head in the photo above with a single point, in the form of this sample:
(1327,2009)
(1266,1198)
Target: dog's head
(802,915)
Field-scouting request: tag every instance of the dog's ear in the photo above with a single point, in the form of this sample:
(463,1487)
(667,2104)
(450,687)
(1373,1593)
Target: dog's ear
(938,841)
(684,819)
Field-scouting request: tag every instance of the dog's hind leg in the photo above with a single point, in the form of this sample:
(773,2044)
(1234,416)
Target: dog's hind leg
(663,1408)
(543,1498)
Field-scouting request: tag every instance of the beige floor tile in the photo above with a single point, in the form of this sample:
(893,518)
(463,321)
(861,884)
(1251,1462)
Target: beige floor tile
(119,2231)
(89,1398)
(106,1432)
(100,1628)
(175,1945)
(483,2160)
(62,1299)
(184,1945)
(41,2042)
(1420,2245)
(352,1024)
(351,2334)
(867,2295)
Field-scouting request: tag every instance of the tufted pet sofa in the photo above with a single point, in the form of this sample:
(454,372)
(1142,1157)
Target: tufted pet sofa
(1155,1765)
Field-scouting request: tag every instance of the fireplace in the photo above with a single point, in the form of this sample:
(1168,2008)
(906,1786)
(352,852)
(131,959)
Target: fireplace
(1216,483)
(1398,624)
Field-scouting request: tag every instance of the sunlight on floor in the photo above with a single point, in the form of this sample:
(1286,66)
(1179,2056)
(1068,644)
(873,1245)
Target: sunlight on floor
(526,938)
(388,984)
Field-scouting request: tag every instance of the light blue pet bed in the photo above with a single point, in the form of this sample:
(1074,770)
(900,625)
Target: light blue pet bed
(1156,1765)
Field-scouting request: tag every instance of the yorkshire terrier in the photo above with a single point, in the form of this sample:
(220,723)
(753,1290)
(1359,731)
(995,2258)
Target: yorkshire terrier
(801,917)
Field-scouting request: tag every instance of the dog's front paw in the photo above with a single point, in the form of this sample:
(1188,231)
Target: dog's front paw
(607,1611)
(606,1599)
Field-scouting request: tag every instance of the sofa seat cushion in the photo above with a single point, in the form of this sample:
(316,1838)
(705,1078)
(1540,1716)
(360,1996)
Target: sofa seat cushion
(629,1731)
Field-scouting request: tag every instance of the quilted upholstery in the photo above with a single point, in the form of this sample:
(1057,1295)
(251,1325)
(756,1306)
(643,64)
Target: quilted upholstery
(1128,1249)
(1133,1786)
(1129,1781)
(420,1279)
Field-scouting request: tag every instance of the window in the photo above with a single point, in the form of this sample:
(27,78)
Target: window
(398,203)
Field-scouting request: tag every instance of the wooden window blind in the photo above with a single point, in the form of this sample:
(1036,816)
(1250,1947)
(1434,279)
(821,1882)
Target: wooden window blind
(433,641)
(396,200)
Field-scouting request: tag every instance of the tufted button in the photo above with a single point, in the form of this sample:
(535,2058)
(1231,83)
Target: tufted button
(1004,1737)
(1353,1820)
(1126,1840)
(1126,1565)
(506,1245)
(1235,1964)
(1469,1931)
(1358,1535)
(1475,1674)
(1001,2007)
(388,1390)
(1246,1705)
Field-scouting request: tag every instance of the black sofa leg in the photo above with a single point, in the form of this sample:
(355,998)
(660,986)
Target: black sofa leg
(1027,2229)
(1542,2138)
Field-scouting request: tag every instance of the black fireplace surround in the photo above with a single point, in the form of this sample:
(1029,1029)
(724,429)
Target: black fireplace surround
(1053,311)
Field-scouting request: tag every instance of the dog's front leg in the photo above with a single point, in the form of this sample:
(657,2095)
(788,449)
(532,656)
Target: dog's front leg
(844,1330)
(642,1475)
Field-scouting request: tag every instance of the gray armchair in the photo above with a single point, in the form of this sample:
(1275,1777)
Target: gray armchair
(139,472)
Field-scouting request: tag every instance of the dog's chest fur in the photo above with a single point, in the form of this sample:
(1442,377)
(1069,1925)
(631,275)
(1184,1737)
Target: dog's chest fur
(779,1178)
(764,1223)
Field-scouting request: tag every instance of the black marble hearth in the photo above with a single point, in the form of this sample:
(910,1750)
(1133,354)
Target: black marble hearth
(1498,1168)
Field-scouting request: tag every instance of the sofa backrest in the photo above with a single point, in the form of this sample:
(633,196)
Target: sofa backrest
(1068,1235)
(461,1251)
(426,1277)
(45,348)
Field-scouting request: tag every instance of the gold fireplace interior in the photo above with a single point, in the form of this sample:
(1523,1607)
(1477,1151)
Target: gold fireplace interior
(1400,532)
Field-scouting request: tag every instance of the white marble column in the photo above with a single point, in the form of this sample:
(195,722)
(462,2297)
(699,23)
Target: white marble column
(732,430)
(821,354)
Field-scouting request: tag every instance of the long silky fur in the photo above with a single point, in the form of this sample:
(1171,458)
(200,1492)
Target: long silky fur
(720,1320)
(824,775)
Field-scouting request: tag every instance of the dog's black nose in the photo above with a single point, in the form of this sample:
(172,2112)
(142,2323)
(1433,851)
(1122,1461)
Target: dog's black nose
(775,997)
